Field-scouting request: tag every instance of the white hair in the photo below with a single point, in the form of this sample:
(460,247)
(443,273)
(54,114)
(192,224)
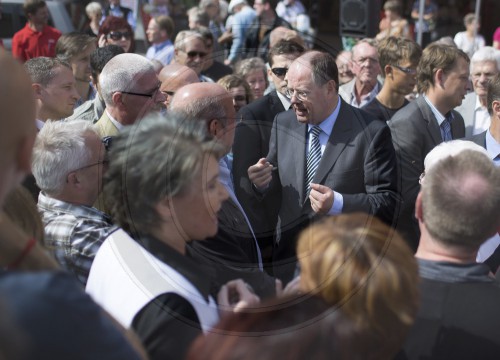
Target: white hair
(121,73)
(450,149)
(93,8)
(60,148)
(486,53)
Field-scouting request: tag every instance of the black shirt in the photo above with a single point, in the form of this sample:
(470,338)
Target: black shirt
(380,111)
(168,324)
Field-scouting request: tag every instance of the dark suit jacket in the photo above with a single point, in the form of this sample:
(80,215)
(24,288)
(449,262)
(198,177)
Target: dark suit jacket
(415,132)
(251,142)
(256,47)
(359,162)
(479,139)
(232,253)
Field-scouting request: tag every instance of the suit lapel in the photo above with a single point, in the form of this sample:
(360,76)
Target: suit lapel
(430,119)
(275,103)
(339,138)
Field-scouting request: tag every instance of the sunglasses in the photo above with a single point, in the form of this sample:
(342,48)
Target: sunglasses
(118,35)
(193,54)
(279,71)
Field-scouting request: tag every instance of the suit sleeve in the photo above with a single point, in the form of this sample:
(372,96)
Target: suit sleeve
(380,177)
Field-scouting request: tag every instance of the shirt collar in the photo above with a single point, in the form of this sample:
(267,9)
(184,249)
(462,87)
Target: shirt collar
(478,105)
(200,276)
(51,204)
(115,122)
(492,146)
(453,272)
(328,124)
(366,98)
(284,100)
(439,117)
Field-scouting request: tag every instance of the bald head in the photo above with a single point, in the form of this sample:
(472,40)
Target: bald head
(211,103)
(175,76)
(17,128)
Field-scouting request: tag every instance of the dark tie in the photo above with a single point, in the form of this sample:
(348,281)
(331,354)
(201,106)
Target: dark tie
(314,157)
(446,128)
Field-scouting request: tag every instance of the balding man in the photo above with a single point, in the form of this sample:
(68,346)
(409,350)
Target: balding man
(234,251)
(173,77)
(325,158)
(130,89)
(457,208)
(42,306)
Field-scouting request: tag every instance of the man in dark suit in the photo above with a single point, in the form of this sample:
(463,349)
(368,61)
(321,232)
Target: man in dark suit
(251,142)
(233,253)
(326,157)
(443,75)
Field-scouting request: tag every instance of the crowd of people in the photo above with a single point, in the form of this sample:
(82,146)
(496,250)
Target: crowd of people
(233,194)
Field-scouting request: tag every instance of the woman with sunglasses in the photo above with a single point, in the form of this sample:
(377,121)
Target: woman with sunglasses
(116,31)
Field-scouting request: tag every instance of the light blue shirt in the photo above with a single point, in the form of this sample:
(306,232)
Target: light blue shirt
(239,26)
(492,147)
(326,130)
(163,52)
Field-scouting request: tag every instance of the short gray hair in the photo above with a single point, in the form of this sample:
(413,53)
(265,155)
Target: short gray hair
(60,147)
(121,72)
(43,69)
(157,157)
(186,35)
(92,8)
(486,53)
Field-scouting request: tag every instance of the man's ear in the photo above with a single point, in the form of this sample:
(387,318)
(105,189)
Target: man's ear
(164,208)
(439,78)
(117,98)
(37,90)
(496,106)
(214,126)
(388,71)
(419,208)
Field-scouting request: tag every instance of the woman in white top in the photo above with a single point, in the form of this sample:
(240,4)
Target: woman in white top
(465,40)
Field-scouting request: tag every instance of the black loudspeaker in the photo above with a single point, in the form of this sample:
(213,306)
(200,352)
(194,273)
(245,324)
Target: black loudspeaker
(359,18)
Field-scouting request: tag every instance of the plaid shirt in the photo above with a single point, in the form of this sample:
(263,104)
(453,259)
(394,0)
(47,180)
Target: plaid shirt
(73,233)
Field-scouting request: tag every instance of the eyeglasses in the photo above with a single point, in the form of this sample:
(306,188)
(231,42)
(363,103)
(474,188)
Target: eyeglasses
(193,54)
(300,95)
(118,35)
(168,93)
(104,162)
(406,70)
(152,95)
(279,71)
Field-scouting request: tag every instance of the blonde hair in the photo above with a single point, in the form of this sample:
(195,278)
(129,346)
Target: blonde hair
(358,263)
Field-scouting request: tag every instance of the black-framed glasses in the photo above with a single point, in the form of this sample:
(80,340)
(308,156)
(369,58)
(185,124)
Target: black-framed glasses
(279,71)
(151,95)
(118,35)
(104,162)
(193,54)
(168,93)
(406,70)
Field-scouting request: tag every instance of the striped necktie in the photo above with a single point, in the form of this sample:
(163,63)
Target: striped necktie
(314,156)
(446,128)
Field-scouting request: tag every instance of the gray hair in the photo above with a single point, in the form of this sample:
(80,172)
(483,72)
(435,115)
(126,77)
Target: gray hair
(186,35)
(92,8)
(43,69)
(486,53)
(461,200)
(60,148)
(157,157)
(121,72)
(450,148)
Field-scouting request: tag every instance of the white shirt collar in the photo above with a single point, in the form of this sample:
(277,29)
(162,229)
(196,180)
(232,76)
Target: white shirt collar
(284,100)
(115,122)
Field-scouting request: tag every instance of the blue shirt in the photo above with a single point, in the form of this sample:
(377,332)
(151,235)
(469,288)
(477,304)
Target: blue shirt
(163,52)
